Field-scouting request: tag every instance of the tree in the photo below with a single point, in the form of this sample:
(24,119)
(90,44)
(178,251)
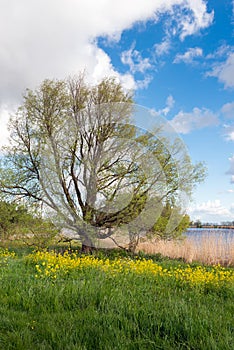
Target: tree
(198,224)
(11,217)
(170,226)
(18,223)
(76,149)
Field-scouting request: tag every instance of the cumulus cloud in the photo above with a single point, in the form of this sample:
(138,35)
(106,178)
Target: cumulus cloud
(137,64)
(231,169)
(189,55)
(211,211)
(4,116)
(56,38)
(224,71)
(221,52)
(185,122)
(192,19)
(144,83)
(163,47)
(229,132)
(228,110)
(41,39)
(135,61)
(168,107)
(169,104)
(196,20)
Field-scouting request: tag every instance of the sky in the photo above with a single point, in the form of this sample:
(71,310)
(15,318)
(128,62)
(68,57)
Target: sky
(176,55)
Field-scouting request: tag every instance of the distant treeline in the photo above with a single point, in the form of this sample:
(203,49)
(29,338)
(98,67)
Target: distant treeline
(198,224)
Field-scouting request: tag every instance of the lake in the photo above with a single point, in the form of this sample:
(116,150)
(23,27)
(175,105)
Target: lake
(219,234)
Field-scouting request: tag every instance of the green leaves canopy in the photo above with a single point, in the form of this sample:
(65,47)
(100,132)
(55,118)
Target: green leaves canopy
(76,148)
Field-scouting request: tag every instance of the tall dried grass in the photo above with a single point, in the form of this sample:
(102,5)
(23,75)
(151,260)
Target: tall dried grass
(207,250)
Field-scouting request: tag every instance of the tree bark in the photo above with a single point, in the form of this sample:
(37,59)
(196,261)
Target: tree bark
(86,249)
(87,246)
(133,241)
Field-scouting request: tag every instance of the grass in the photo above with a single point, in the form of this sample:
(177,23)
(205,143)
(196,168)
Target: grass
(113,302)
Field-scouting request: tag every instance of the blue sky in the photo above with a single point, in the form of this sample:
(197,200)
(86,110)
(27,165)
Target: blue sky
(177,56)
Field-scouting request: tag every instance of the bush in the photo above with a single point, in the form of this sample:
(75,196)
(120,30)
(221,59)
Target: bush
(18,223)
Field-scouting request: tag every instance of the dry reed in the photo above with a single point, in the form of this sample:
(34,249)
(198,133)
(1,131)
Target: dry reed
(206,250)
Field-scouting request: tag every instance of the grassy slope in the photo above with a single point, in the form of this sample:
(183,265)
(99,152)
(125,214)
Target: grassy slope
(92,310)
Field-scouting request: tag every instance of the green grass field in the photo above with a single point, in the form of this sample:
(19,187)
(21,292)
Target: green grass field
(65,302)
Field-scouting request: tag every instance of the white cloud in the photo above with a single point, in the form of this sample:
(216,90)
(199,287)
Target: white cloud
(228,110)
(197,19)
(189,55)
(41,39)
(229,132)
(56,38)
(143,84)
(163,47)
(224,71)
(211,211)
(170,102)
(164,111)
(102,67)
(169,105)
(4,134)
(137,64)
(184,122)
(220,53)
(135,61)
(231,169)
(190,20)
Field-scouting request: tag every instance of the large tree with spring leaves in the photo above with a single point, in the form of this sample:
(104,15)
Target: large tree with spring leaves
(74,148)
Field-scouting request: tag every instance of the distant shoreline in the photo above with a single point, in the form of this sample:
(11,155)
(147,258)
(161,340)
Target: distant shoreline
(212,226)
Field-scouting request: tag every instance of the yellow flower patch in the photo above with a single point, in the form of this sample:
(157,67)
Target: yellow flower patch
(50,264)
(4,253)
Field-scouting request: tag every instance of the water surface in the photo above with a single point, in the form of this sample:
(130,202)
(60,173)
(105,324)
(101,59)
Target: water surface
(219,234)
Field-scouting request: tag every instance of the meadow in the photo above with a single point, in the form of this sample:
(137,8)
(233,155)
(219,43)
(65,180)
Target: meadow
(113,300)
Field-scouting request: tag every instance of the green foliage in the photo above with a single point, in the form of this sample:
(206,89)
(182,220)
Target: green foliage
(75,148)
(19,224)
(171,224)
(12,218)
(38,233)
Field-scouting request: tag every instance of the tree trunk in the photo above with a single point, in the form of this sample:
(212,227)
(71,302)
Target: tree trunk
(87,249)
(87,246)
(133,241)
